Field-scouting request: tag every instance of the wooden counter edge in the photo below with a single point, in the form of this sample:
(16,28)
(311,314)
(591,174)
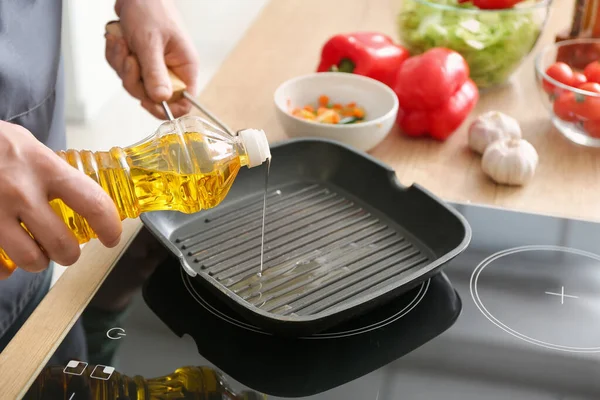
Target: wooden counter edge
(47,327)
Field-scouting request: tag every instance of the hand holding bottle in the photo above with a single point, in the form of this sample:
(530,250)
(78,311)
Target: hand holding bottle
(31,175)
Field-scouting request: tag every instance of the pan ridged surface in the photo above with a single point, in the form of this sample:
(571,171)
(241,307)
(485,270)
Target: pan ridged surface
(321,250)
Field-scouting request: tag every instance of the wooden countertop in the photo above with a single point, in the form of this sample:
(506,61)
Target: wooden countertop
(284,42)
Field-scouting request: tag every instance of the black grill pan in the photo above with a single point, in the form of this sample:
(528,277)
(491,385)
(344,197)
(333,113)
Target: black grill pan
(342,236)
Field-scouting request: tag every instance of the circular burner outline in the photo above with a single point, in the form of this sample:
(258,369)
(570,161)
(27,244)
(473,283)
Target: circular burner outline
(477,300)
(423,288)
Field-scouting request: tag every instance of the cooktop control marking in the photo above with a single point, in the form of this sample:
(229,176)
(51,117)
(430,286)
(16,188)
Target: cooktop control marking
(75,367)
(102,372)
(115,333)
(562,295)
(553,335)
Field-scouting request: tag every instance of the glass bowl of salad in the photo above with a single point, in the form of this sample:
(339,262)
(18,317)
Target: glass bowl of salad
(568,80)
(494,36)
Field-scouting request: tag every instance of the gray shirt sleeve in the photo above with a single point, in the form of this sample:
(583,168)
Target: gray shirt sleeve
(31,95)
(31,81)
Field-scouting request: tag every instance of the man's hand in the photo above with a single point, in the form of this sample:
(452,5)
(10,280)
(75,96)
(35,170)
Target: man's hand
(152,43)
(31,175)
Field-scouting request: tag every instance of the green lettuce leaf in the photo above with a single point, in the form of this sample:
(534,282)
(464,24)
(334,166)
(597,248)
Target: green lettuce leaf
(493,43)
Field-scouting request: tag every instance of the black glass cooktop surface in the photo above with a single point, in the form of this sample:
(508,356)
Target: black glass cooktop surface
(516,316)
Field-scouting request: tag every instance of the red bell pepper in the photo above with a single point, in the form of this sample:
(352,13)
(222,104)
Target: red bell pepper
(363,53)
(492,4)
(435,93)
(495,4)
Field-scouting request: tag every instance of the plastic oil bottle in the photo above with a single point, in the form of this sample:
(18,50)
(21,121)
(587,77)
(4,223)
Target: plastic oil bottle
(185,383)
(187,165)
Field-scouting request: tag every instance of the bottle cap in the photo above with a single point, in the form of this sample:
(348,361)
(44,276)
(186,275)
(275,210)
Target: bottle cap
(257,146)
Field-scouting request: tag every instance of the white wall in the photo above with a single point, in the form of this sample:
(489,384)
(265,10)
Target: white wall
(89,80)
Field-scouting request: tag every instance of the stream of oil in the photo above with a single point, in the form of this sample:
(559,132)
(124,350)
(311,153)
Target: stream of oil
(262,238)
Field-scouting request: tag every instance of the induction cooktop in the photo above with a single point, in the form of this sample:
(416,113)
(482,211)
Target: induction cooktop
(516,316)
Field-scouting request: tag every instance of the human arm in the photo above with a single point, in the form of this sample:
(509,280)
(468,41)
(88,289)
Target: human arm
(153,42)
(31,175)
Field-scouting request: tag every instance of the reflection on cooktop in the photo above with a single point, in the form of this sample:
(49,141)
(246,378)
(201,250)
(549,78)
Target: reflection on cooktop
(528,328)
(300,366)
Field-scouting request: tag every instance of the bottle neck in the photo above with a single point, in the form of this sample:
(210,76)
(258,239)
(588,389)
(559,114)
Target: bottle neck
(241,151)
(257,146)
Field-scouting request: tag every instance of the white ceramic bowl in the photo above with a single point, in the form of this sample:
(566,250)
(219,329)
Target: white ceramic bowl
(379,101)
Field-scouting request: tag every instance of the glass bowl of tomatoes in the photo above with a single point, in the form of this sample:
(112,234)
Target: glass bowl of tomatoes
(568,76)
(494,36)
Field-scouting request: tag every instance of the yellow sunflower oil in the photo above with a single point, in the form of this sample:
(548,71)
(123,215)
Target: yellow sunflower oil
(187,165)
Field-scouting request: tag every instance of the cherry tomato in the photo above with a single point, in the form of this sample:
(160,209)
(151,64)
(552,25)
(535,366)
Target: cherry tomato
(563,107)
(570,106)
(560,72)
(592,127)
(590,87)
(578,79)
(592,72)
(587,107)
(495,4)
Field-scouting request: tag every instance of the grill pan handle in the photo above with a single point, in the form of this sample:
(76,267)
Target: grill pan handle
(179,86)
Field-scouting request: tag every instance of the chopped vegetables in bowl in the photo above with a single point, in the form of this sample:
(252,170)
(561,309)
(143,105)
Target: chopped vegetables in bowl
(317,104)
(327,112)
(493,41)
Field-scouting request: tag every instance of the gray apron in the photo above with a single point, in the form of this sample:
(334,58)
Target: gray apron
(32,95)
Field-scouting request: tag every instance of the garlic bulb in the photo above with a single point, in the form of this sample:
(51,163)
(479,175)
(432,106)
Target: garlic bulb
(510,161)
(492,126)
